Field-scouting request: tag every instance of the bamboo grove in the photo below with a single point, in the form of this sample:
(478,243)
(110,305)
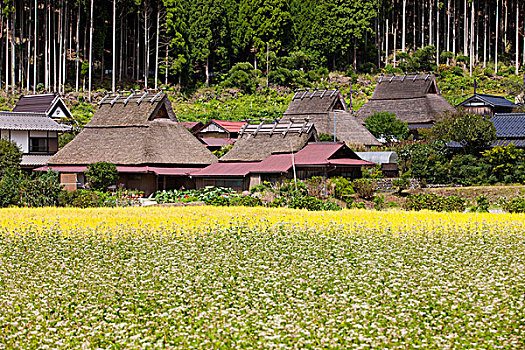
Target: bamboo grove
(63,45)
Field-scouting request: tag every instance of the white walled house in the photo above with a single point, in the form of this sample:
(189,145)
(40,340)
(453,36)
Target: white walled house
(34,129)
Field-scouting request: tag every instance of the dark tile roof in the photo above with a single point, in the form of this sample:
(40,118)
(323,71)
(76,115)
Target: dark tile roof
(509,125)
(492,100)
(29,121)
(35,103)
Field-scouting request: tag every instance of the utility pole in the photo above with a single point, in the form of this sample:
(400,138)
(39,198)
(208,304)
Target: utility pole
(267,62)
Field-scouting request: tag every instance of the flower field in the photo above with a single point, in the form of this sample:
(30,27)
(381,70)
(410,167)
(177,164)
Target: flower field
(227,277)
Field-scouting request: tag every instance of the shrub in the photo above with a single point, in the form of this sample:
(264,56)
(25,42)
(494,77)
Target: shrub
(10,156)
(430,201)
(246,201)
(483,204)
(386,125)
(312,203)
(364,188)
(10,188)
(341,187)
(514,205)
(41,190)
(101,175)
(379,202)
(242,76)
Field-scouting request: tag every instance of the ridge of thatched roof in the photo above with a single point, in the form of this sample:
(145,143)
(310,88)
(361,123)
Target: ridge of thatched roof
(133,134)
(412,98)
(309,102)
(259,141)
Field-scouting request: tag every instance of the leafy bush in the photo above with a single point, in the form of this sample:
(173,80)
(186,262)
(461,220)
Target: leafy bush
(246,201)
(41,190)
(312,203)
(242,76)
(386,125)
(514,205)
(10,156)
(483,204)
(502,162)
(364,188)
(101,175)
(465,170)
(10,188)
(379,202)
(341,187)
(430,201)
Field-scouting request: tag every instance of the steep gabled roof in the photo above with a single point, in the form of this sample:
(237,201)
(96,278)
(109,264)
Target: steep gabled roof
(491,100)
(258,141)
(327,110)
(309,102)
(228,125)
(44,103)
(405,87)
(414,99)
(141,131)
(192,126)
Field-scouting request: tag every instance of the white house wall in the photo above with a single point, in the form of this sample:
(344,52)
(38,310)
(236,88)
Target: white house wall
(21,138)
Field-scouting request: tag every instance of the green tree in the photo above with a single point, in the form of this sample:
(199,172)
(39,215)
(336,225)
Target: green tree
(386,125)
(10,156)
(101,175)
(473,132)
(242,76)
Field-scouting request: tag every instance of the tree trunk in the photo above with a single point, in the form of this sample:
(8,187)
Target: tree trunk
(60,43)
(497,38)
(90,51)
(157,50)
(13,52)
(465,29)
(454,25)
(35,60)
(386,43)
(430,20)
(485,35)
(77,59)
(28,80)
(437,36)
(146,46)
(448,26)
(7,55)
(471,37)
(167,64)
(403,40)
(113,52)
(207,72)
(517,40)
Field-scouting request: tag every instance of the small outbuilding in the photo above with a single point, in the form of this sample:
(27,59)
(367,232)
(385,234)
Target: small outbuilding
(487,105)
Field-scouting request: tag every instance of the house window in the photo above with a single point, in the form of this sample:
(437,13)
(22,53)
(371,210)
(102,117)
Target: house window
(43,142)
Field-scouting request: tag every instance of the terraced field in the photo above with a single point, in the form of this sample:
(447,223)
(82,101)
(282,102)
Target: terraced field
(260,278)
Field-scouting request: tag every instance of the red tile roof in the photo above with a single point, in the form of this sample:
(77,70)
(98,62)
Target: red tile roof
(229,125)
(226,169)
(277,163)
(191,125)
(317,152)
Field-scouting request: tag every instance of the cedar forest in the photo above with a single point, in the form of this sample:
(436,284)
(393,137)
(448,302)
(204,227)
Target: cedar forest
(61,45)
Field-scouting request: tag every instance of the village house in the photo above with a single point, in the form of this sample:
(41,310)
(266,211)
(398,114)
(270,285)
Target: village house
(35,125)
(192,126)
(414,99)
(274,151)
(328,111)
(218,133)
(487,105)
(139,133)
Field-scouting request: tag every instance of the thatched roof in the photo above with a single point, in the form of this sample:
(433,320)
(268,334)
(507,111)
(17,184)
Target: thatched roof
(412,98)
(259,141)
(315,102)
(135,133)
(323,109)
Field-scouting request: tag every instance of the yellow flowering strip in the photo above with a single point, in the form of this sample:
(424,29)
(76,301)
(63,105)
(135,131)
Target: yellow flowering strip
(199,219)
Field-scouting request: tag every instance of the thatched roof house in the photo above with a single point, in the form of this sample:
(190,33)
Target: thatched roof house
(327,110)
(259,141)
(136,130)
(414,99)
